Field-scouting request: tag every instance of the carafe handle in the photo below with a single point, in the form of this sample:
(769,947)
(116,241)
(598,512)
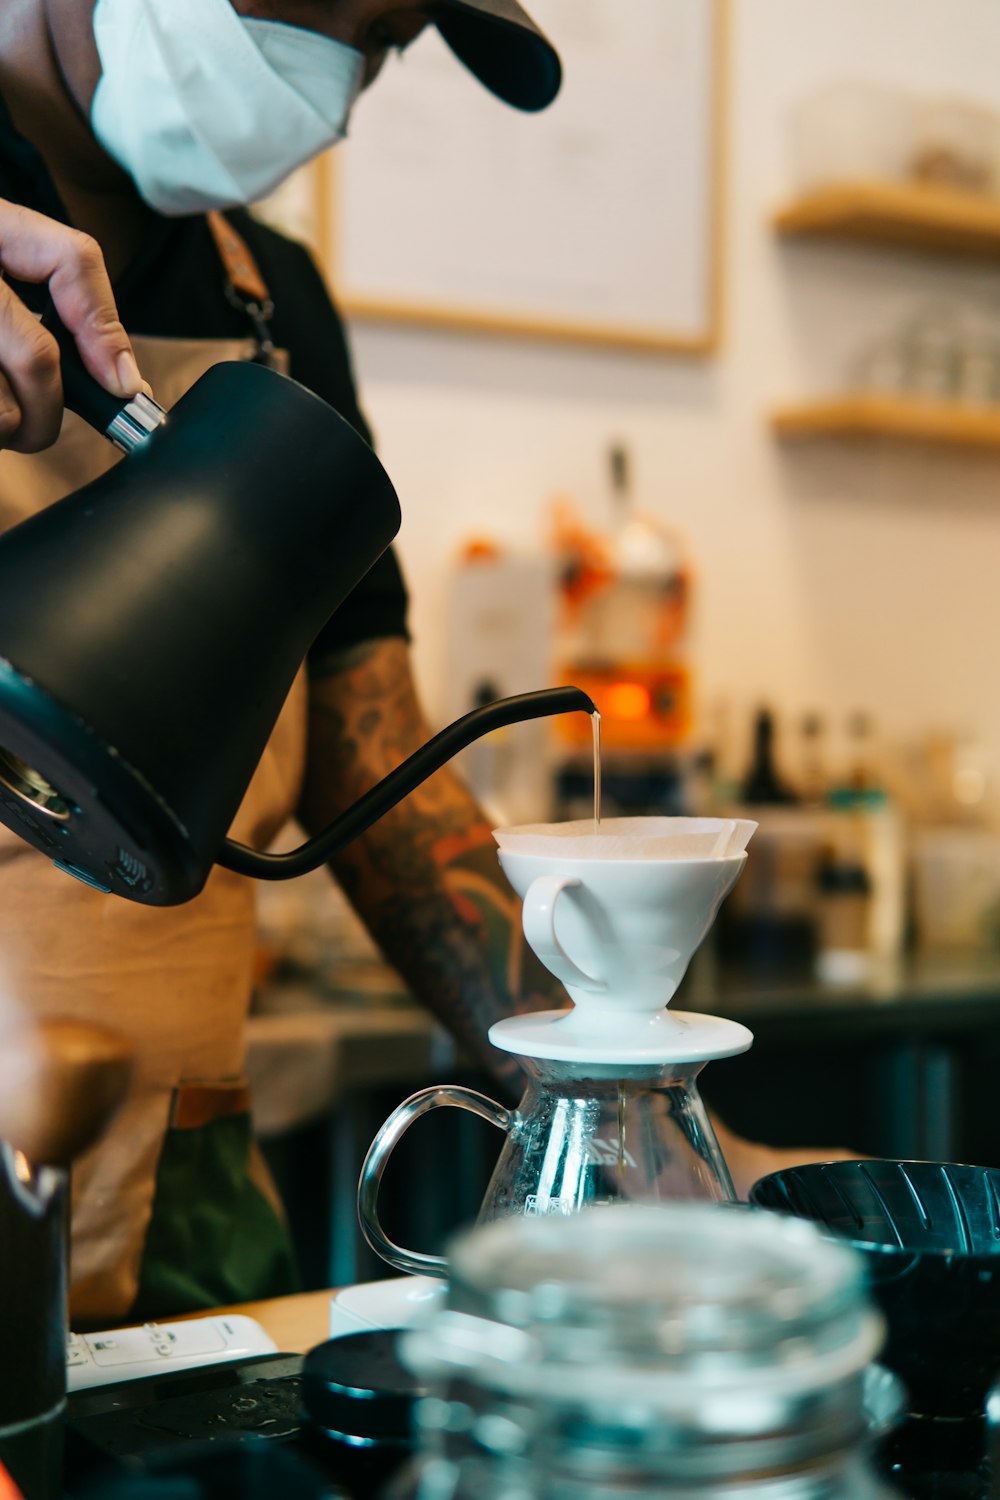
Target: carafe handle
(538,918)
(381,1149)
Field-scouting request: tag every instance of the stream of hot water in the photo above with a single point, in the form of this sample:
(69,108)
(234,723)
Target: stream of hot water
(595,727)
(595,723)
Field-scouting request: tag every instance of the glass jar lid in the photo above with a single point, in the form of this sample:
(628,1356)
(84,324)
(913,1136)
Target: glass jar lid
(682,1305)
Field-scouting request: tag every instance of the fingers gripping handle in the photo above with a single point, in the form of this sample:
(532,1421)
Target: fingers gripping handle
(126,423)
(381,1149)
(538,917)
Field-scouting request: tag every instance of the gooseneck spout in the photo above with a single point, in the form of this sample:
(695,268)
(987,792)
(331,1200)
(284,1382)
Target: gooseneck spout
(394,787)
(152,624)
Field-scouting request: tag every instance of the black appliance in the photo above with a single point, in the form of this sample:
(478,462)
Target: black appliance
(929,1233)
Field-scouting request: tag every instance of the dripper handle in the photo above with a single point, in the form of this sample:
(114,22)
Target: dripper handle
(381,1149)
(538,918)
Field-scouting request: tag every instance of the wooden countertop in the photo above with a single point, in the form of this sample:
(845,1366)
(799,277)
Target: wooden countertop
(295,1324)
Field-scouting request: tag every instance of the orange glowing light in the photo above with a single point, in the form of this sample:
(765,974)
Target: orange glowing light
(627,700)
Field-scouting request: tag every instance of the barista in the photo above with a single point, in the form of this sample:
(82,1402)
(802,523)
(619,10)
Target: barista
(128,120)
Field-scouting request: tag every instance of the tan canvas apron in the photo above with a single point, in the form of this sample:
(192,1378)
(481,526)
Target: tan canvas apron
(175,980)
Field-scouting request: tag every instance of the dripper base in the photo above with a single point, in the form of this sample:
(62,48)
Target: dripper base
(695,1038)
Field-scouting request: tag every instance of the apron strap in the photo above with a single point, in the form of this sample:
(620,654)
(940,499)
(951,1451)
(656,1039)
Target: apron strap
(246,288)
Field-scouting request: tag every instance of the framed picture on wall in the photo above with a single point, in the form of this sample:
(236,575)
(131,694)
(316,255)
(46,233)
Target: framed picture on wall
(596,220)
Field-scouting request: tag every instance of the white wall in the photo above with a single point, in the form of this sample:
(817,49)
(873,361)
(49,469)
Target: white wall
(839,579)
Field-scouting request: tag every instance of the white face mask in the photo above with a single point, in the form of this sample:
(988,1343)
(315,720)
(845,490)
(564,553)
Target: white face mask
(205,109)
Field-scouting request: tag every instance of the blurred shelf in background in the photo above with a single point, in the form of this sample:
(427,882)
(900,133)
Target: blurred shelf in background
(914,215)
(908,418)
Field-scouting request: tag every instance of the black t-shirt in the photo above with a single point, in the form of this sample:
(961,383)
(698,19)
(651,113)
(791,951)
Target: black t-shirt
(176,288)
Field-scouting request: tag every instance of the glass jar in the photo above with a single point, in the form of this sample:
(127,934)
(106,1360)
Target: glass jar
(697,1352)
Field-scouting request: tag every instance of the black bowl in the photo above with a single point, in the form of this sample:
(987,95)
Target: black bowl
(929,1233)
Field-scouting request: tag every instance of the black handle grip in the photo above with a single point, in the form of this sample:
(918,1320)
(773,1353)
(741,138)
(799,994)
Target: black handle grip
(81,392)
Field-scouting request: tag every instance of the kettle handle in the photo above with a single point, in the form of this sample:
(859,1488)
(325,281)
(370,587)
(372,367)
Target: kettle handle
(126,423)
(381,1149)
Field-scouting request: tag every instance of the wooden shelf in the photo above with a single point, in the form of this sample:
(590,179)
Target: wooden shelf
(909,418)
(917,216)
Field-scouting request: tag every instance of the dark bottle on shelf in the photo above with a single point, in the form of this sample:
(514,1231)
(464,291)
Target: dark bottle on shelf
(762,784)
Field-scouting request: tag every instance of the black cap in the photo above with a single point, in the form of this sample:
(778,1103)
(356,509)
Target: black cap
(356,1387)
(502,46)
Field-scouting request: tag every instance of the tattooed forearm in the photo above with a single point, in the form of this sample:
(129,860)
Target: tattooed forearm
(425,878)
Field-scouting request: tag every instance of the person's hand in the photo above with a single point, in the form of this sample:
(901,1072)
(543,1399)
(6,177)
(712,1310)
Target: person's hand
(749,1161)
(36,249)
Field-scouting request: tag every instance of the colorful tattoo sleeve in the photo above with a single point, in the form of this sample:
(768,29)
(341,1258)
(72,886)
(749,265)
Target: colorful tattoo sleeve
(425,878)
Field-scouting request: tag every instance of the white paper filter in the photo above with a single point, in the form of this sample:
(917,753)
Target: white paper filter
(631,838)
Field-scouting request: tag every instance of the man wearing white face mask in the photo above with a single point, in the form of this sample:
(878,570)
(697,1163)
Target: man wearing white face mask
(208,110)
(136,122)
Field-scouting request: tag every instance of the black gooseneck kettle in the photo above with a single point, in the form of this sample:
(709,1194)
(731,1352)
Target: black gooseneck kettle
(151,625)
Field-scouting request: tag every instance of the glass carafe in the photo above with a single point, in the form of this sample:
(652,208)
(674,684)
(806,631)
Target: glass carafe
(584,1134)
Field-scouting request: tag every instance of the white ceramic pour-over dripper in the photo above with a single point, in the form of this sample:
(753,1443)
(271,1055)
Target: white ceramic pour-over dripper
(616,915)
(611,1108)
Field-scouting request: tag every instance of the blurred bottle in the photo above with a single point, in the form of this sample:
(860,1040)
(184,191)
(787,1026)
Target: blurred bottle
(624,630)
(768,926)
(931,346)
(863,772)
(813,780)
(978,377)
(720,757)
(844,918)
(499,608)
(646,601)
(956,144)
(868,835)
(762,783)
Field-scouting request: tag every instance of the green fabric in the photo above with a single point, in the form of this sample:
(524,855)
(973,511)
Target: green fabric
(214,1238)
